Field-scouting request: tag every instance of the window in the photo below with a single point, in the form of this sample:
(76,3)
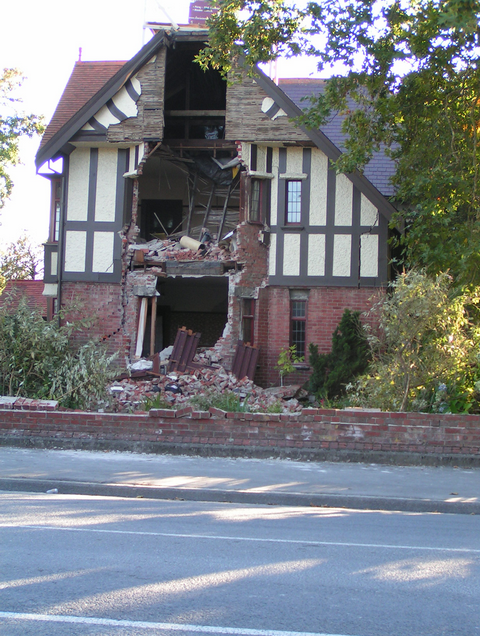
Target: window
(294,201)
(248,316)
(55,210)
(260,201)
(298,323)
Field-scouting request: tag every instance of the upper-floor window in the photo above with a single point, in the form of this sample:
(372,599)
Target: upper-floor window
(293,205)
(55,210)
(260,201)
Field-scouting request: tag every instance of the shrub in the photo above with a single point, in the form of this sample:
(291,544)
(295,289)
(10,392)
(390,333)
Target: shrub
(225,400)
(37,360)
(349,357)
(426,349)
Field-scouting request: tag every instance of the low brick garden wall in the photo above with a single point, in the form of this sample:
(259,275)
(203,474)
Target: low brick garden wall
(313,433)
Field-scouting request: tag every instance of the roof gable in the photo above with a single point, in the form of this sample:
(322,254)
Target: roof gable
(62,136)
(324,143)
(86,80)
(380,168)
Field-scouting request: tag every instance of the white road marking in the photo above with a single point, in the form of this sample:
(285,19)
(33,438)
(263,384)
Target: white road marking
(174,627)
(217,537)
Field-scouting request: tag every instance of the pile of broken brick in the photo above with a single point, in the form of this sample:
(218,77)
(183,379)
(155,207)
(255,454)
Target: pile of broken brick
(178,388)
(161,250)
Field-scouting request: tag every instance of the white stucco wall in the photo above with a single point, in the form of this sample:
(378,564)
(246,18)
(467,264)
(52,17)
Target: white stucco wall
(78,178)
(75,251)
(318,188)
(103,252)
(368,212)
(274,191)
(316,255)
(291,255)
(106,184)
(272,256)
(369,255)
(342,254)
(294,161)
(343,201)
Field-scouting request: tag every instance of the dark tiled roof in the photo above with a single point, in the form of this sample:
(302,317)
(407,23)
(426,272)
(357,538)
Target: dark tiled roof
(32,289)
(86,80)
(380,168)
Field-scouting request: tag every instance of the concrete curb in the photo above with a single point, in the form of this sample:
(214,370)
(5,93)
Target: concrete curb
(256,452)
(355,502)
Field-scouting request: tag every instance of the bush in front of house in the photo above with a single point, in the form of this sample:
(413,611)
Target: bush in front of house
(349,357)
(38,360)
(426,350)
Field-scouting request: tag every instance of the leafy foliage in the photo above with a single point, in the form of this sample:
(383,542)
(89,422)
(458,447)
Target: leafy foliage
(286,360)
(348,358)
(13,125)
(37,360)
(408,80)
(19,261)
(426,351)
(159,401)
(225,400)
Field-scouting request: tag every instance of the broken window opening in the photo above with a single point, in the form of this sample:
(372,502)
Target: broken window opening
(195,100)
(200,304)
(195,195)
(260,197)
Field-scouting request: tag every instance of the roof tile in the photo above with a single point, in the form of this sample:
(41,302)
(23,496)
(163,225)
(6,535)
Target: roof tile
(86,80)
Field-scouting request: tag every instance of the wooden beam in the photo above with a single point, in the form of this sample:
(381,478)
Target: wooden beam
(195,113)
(142,321)
(191,204)
(153,323)
(209,207)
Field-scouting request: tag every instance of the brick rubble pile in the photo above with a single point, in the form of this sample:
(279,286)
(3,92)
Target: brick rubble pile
(176,389)
(159,251)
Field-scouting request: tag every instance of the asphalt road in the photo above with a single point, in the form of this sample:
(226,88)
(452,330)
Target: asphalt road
(72,565)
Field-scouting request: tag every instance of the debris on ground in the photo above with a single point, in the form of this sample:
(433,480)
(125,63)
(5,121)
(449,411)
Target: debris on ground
(177,389)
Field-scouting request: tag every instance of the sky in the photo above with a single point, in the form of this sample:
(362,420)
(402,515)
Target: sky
(42,38)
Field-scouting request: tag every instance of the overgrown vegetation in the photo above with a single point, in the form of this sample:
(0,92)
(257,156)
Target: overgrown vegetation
(38,360)
(349,357)
(426,350)
(159,401)
(225,400)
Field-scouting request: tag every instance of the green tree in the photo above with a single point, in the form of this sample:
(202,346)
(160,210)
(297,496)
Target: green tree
(425,350)
(19,261)
(411,68)
(349,357)
(13,125)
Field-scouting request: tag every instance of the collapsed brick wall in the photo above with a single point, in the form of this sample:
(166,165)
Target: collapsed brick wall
(325,307)
(312,430)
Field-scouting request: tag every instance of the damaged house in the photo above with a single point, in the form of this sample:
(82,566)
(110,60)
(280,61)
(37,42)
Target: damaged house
(178,200)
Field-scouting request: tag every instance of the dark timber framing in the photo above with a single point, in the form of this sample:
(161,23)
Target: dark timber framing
(91,226)
(330,230)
